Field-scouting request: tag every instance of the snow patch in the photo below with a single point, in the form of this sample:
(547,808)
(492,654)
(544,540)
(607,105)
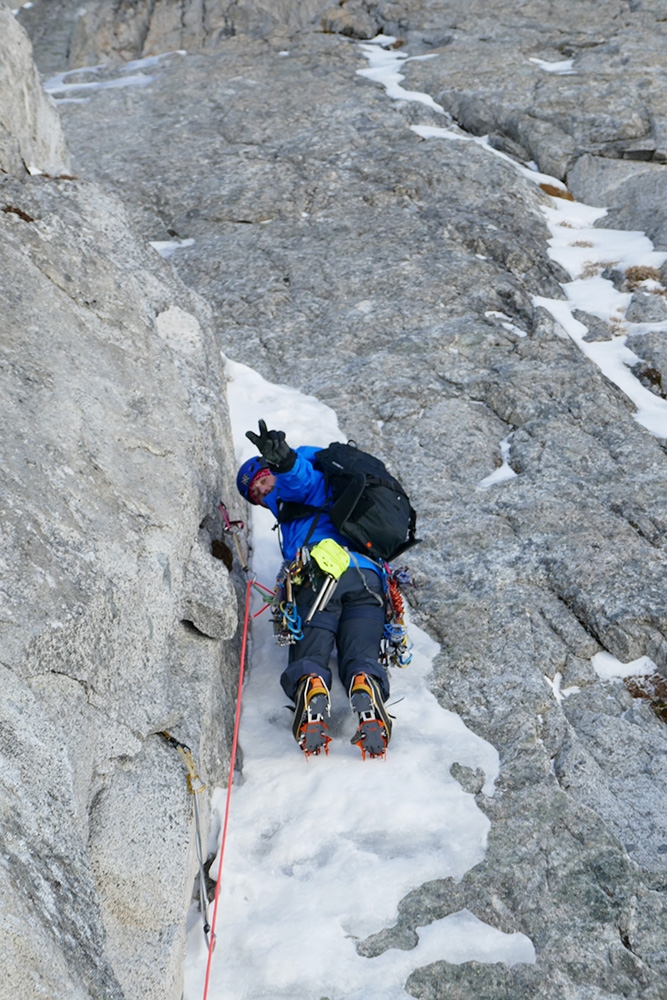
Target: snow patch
(504,472)
(607,666)
(560,692)
(585,252)
(505,321)
(58,84)
(167,247)
(457,134)
(562,68)
(383,69)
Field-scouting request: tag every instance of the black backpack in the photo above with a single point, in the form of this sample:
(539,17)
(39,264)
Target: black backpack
(366,504)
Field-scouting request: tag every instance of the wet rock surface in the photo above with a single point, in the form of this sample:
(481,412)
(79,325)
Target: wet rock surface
(342,254)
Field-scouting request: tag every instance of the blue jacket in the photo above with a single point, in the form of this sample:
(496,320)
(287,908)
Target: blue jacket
(305,484)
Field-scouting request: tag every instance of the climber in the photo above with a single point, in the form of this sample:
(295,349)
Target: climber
(317,555)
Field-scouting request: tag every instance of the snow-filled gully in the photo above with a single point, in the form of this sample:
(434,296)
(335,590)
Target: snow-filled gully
(320,852)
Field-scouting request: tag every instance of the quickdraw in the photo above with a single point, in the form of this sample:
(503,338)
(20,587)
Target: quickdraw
(233,528)
(287,624)
(292,620)
(396,648)
(195,786)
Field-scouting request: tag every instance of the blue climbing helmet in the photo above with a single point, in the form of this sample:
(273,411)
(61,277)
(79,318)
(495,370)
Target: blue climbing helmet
(247,475)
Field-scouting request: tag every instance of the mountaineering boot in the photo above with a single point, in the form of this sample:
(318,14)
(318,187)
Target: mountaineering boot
(311,705)
(374,730)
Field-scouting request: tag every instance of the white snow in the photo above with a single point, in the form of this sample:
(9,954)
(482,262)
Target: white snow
(383,69)
(147,61)
(607,666)
(57,84)
(455,133)
(167,247)
(321,851)
(562,68)
(560,692)
(505,321)
(585,252)
(504,471)
(576,244)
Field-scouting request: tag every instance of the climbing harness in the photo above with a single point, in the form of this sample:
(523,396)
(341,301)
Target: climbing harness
(195,786)
(395,647)
(322,566)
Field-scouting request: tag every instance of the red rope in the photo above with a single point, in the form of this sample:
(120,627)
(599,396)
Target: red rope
(232,764)
(396,597)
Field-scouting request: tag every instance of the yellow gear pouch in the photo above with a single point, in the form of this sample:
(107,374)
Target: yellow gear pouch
(331,557)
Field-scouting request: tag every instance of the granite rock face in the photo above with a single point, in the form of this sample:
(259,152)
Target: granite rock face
(31,139)
(66,35)
(579,91)
(394,278)
(115,451)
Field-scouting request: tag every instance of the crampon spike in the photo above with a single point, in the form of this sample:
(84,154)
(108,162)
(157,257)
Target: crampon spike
(313,738)
(371,739)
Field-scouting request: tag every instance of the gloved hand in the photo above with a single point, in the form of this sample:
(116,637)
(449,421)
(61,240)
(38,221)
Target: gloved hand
(273,448)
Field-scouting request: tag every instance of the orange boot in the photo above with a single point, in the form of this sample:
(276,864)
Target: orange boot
(312,704)
(374,730)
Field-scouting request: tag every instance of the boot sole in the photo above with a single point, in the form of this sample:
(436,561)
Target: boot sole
(374,731)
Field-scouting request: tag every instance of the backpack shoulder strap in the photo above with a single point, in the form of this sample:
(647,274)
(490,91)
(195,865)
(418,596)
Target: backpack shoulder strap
(292,510)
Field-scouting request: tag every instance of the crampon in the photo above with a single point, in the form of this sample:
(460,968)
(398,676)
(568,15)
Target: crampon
(308,726)
(313,738)
(374,729)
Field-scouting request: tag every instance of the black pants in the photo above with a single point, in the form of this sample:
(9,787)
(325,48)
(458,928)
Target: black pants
(354,619)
